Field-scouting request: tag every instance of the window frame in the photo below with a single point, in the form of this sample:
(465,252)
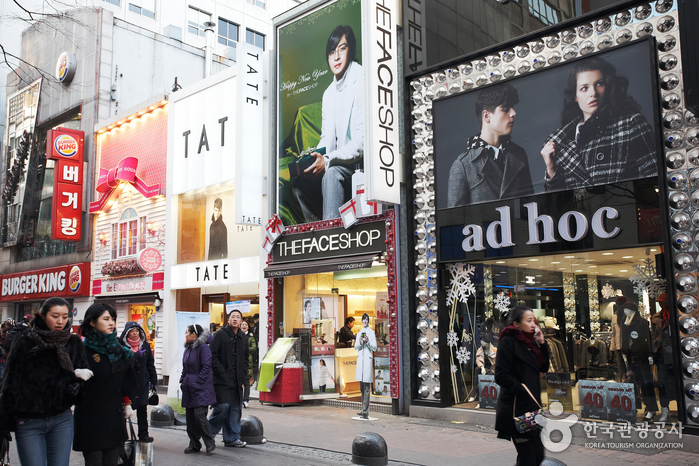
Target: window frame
(255,35)
(200,28)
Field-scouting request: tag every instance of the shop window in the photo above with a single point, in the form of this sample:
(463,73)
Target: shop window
(144,315)
(196,19)
(228,34)
(129,235)
(603,313)
(255,38)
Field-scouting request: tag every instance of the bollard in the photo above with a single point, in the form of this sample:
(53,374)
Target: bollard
(251,430)
(369,449)
(162,416)
(548,461)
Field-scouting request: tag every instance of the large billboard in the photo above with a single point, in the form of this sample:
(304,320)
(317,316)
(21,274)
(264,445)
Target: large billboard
(584,123)
(329,83)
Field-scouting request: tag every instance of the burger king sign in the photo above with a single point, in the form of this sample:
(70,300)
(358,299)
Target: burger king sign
(65,67)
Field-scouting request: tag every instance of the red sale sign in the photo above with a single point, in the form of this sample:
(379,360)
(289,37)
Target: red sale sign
(65,146)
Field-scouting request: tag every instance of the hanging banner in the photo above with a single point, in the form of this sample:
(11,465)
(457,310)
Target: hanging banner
(66,147)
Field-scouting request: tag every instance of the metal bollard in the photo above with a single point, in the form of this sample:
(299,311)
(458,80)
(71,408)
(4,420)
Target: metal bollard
(252,431)
(369,449)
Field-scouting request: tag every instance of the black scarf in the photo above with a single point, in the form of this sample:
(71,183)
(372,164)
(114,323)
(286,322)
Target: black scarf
(52,340)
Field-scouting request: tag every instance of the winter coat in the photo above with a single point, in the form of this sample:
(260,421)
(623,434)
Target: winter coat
(516,365)
(144,366)
(35,384)
(608,150)
(252,347)
(662,337)
(14,334)
(346,336)
(229,372)
(218,239)
(635,339)
(365,356)
(196,381)
(99,419)
(476,177)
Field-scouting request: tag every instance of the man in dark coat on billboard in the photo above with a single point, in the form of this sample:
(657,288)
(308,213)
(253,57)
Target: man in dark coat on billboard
(229,360)
(493,167)
(218,234)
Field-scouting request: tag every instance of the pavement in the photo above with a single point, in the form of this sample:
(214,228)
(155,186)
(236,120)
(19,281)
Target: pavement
(321,435)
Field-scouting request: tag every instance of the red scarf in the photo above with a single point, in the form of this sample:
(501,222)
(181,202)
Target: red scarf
(527,339)
(135,344)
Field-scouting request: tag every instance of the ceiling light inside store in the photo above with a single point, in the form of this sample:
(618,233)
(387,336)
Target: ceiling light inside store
(607,253)
(555,262)
(592,266)
(653,250)
(579,270)
(569,257)
(500,262)
(533,260)
(623,270)
(627,257)
(607,273)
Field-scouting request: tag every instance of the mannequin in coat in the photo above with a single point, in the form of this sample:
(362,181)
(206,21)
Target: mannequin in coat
(365,344)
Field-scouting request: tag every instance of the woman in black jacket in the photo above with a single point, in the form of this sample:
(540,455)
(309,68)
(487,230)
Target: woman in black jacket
(522,355)
(134,337)
(45,372)
(100,420)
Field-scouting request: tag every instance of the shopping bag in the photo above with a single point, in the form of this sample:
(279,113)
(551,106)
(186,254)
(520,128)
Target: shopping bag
(144,454)
(127,455)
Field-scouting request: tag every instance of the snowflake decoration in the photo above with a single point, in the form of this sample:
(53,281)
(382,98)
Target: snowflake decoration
(461,285)
(501,302)
(452,339)
(463,355)
(454,368)
(466,337)
(608,291)
(645,279)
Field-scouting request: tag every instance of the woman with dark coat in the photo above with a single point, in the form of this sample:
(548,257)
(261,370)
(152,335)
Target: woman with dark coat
(100,420)
(197,385)
(604,138)
(45,373)
(522,355)
(134,337)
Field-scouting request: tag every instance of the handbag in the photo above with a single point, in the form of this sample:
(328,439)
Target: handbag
(127,456)
(527,421)
(153,398)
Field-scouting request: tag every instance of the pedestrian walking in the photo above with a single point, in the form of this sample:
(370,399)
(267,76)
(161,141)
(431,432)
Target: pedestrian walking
(252,347)
(197,386)
(44,377)
(522,355)
(134,337)
(100,420)
(4,329)
(22,328)
(229,359)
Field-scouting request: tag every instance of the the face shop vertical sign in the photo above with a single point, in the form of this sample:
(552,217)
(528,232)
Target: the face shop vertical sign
(381,146)
(248,182)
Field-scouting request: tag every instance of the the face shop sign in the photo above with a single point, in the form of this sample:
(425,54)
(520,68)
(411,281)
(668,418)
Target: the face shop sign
(360,239)
(571,226)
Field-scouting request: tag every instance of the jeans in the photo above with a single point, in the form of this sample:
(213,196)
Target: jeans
(365,388)
(102,457)
(334,189)
(45,441)
(227,415)
(198,427)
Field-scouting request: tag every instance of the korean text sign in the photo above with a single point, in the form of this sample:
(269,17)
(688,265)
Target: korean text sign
(65,146)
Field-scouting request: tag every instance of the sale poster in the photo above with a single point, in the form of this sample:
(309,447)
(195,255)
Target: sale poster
(488,390)
(621,402)
(593,399)
(558,387)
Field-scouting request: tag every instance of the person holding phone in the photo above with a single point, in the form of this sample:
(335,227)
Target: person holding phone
(365,344)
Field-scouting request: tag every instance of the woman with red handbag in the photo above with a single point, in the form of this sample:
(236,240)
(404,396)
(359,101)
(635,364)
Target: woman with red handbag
(522,355)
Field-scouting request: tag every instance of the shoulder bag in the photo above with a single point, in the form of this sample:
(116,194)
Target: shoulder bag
(527,422)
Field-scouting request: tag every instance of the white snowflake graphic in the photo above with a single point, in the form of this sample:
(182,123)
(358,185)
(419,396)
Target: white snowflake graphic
(461,286)
(452,338)
(466,337)
(463,355)
(608,291)
(645,279)
(501,302)
(454,368)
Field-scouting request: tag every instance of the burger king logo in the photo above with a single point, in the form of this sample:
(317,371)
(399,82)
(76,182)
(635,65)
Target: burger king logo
(62,67)
(74,279)
(65,67)
(66,145)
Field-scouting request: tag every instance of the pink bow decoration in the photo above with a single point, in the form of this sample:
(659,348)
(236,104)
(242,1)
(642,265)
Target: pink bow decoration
(110,182)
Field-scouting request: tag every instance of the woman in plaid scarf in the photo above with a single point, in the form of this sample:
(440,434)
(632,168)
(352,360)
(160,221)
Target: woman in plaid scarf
(604,138)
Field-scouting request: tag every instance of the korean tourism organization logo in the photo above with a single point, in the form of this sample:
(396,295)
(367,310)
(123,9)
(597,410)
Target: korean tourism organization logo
(66,145)
(556,433)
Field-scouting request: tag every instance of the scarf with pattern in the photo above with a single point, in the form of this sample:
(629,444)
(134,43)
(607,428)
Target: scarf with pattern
(107,344)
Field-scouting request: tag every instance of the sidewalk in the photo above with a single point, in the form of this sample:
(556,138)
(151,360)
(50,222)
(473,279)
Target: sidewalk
(319,435)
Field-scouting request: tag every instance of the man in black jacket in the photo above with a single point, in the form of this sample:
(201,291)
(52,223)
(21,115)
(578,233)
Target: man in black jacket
(229,360)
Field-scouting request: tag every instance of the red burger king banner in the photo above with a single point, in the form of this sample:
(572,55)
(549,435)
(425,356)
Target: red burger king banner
(66,281)
(110,180)
(65,146)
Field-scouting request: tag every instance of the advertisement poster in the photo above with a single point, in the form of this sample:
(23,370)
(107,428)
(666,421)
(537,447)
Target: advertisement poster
(621,402)
(382,377)
(323,374)
(207,230)
(587,122)
(488,391)
(311,309)
(320,102)
(242,306)
(382,304)
(559,389)
(593,399)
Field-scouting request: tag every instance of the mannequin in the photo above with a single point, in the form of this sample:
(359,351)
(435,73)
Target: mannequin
(662,356)
(636,351)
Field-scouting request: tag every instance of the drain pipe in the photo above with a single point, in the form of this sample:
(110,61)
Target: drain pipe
(209,48)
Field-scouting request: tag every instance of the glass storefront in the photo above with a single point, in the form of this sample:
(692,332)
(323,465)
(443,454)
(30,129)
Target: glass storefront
(144,314)
(606,319)
(324,311)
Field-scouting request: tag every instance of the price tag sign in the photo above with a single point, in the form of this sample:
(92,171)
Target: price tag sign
(593,399)
(559,389)
(488,391)
(621,402)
